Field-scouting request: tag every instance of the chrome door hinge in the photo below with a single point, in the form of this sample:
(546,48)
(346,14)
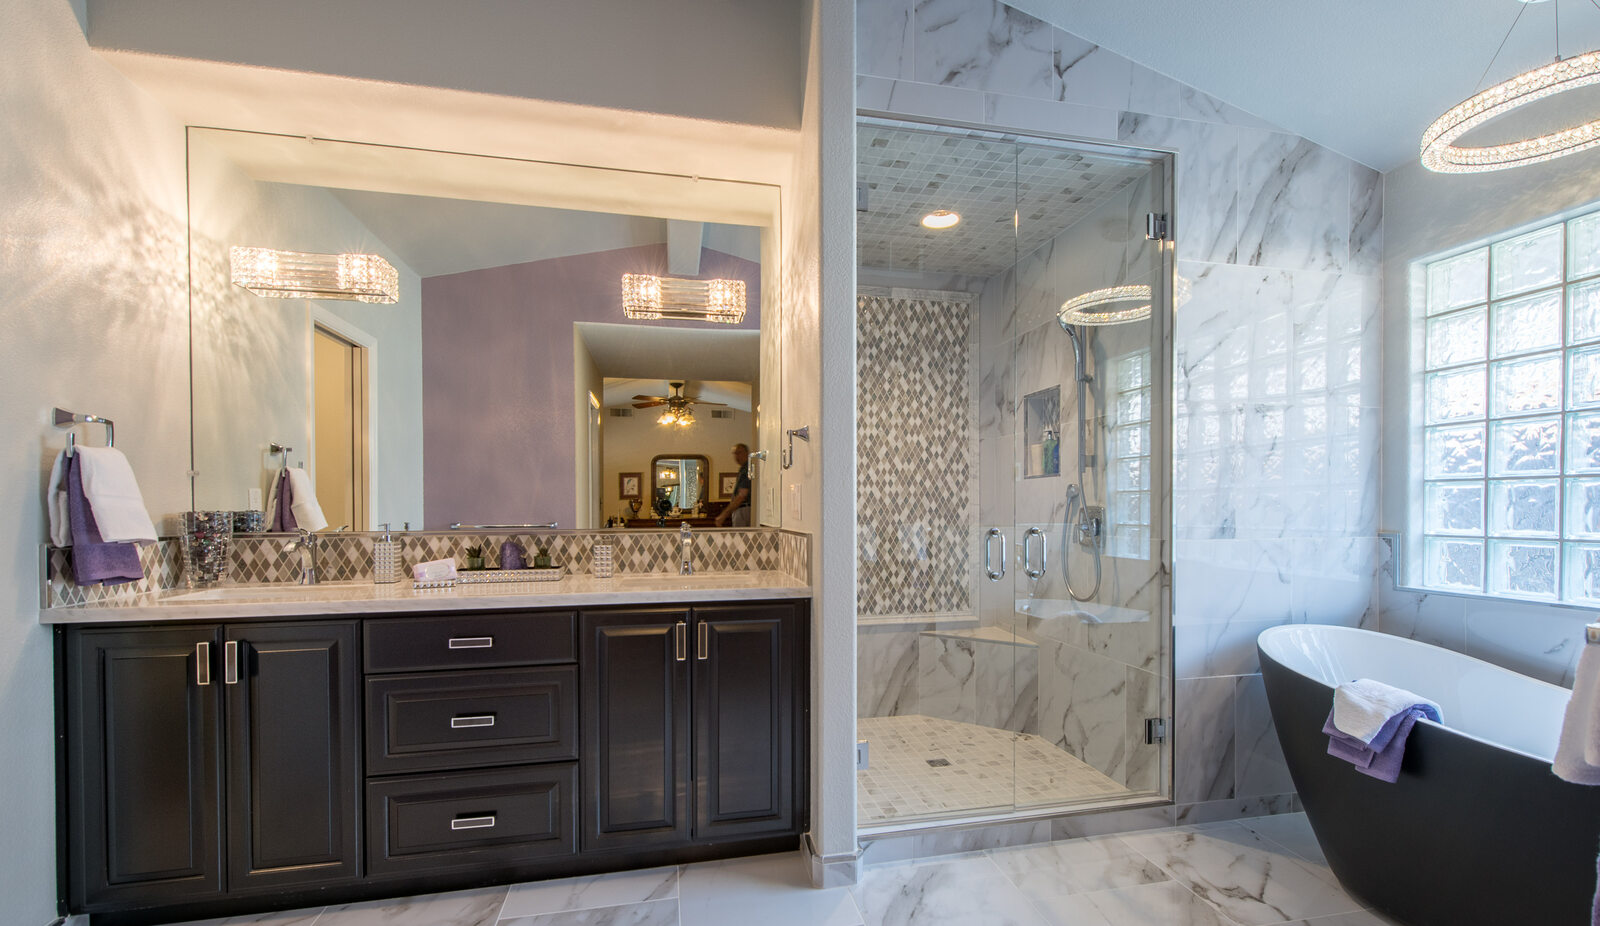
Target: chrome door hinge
(1156,226)
(863,754)
(1155,730)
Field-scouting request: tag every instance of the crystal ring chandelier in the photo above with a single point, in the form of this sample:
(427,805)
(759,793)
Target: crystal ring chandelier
(1440,153)
(1110,306)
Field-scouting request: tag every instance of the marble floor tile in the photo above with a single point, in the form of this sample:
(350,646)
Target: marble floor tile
(1359,918)
(770,890)
(607,890)
(960,891)
(304,917)
(1291,831)
(1250,879)
(653,913)
(458,908)
(1162,904)
(1075,866)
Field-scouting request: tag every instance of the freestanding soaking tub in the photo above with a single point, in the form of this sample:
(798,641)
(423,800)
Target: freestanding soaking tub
(1478,830)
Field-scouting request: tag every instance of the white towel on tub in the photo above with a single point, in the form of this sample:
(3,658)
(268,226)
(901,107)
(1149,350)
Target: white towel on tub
(1578,752)
(1362,707)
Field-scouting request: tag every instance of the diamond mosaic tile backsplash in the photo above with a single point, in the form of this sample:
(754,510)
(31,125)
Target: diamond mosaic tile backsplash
(348,557)
(916,440)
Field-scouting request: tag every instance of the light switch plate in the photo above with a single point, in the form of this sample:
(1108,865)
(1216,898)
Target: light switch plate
(794,500)
(254,495)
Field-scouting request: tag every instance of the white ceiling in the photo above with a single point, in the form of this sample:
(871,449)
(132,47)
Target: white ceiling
(1361,77)
(619,393)
(673,353)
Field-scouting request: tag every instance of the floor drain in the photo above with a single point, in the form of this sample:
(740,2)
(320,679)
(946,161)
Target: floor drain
(938,763)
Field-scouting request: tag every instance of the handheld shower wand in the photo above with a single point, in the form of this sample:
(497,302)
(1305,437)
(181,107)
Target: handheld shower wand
(1090,519)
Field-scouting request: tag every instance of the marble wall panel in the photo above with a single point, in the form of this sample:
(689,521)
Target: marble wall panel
(1261,768)
(886,670)
(983,46)
(1203,739)
(1294,203)
(947,678)
(1008,686)
(1083,706)
(884,38)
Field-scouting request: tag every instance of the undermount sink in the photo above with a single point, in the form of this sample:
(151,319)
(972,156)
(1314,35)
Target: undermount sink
(259,592)
(669,580)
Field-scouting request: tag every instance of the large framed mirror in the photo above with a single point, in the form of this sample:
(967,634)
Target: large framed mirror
(504,383)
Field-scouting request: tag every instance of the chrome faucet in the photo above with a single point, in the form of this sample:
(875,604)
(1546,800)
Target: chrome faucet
(685,550)
(306,543)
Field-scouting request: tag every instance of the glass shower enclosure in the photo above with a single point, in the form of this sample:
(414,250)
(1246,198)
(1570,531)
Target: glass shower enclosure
(1013,355)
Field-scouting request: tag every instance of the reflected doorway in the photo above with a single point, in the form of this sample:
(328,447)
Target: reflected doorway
(339,410)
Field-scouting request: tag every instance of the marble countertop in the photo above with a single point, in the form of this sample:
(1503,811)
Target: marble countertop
(242,602)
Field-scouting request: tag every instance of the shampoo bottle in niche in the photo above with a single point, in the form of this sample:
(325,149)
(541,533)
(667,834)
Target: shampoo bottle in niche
(1051,453)
(386,558)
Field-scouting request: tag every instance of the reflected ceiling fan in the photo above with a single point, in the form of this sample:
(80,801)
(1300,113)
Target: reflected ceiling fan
(678,405)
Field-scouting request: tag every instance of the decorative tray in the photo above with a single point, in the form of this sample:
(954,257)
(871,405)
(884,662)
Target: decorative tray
(485,576)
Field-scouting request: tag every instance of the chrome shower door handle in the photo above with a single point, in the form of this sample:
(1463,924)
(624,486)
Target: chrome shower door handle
(988,554)
(1027,552)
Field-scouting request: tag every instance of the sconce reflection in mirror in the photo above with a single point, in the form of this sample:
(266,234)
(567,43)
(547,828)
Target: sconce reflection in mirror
(299,275)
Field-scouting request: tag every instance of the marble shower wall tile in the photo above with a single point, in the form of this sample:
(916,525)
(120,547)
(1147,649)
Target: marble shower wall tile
(1007,685)
(1203,739)
(947,678)
(1083,706)
(1294,203)
(1366,220)
(1207,209)
(884,38)
(983,46)
(1088,74)
(886,670)
(1260,768)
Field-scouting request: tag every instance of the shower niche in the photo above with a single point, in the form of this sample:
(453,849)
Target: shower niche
(1041,433)
(1013,370)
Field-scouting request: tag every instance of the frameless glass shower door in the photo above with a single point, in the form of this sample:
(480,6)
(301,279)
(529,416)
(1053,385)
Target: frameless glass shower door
(1011,584)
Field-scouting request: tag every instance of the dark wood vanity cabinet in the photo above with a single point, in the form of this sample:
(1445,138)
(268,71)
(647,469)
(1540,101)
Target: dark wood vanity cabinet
(689,724)
(210,769)
(205,759)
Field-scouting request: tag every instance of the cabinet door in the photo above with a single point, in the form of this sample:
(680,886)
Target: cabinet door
(745,707)
(635,668)
(144,767)
(292,743)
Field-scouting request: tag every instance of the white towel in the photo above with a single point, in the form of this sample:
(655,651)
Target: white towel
(114,497)
(1362,707)
(55,500)
(303,501)
(1578,752)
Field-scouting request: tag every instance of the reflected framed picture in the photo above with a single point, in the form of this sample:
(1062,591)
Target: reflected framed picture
(628,484)
(726,484)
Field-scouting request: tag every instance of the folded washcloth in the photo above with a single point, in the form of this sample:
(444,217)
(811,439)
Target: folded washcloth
(93,560)
(114,496)
(1578,750)
(1362,707)
(303,501)
(1380,759)
(280,504)
(55,501)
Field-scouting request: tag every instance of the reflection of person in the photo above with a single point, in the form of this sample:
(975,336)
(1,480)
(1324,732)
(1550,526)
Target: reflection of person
(738,507)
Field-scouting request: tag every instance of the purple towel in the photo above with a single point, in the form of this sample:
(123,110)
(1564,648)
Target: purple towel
(283,509)
(1381,759)
(95,562)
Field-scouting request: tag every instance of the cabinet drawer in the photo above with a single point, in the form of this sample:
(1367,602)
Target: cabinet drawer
(526,638)
(441,720)
(470,819)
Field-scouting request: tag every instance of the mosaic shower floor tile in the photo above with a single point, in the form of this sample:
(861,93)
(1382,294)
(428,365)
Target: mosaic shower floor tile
(928,767)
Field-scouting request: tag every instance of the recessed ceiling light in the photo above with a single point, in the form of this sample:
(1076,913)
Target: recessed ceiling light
(940,218)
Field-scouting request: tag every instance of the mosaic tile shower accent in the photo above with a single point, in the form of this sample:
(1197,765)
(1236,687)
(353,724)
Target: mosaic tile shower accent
(348,557)
(916,454)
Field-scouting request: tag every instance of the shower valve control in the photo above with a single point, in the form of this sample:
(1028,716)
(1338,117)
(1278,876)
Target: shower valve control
(1090,524)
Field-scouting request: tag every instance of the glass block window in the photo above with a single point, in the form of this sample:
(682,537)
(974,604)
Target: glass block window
(1128,494)
(1511,417)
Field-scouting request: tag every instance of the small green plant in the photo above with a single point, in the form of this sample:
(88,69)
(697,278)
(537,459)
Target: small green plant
(475,552)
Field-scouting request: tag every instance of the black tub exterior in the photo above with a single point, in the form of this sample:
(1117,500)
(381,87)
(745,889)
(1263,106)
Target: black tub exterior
(1470,834)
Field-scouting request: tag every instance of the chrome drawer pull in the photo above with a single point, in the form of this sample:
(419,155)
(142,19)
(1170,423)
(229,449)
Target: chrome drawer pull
(473,720)
(230,663)
(472,823)
(471,642)
(680,644)
(202,663)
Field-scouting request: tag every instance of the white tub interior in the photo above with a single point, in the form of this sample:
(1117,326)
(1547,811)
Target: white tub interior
(1482,700)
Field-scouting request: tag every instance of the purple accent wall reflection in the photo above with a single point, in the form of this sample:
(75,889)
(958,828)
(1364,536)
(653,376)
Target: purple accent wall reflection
(497,368)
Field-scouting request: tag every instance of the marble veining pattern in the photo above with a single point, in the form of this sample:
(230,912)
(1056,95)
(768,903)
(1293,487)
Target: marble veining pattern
(1245,873)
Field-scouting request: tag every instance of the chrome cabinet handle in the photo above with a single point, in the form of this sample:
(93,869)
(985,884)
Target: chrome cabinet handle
(1027,552)
(704,647)
(988,554)
(471,642)
(202,663)
(680,641)
(472,823)
(230,662)
(463,721)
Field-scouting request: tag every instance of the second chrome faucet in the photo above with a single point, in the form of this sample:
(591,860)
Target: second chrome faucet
(685,550)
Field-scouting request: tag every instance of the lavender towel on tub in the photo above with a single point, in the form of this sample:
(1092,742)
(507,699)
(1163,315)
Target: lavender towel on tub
(95,562)
(1380,759)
